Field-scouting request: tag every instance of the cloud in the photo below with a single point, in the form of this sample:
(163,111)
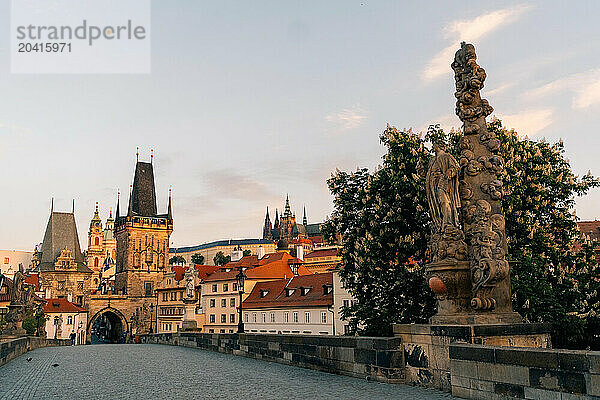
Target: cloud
(348,118)
(584,85)
(446,122)
(469,30)
(499,89)
(529,122)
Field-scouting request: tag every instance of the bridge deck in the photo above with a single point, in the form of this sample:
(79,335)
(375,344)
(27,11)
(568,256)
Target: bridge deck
(164,372)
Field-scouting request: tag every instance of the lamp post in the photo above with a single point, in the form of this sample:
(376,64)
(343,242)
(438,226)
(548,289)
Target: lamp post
(38,315)
(151,310)
(131,321)
(241,278)
(79,331)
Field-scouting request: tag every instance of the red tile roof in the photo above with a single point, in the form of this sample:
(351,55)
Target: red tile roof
(288,292)
(318,239)
(33,279)
(203,271)
(271,266)
(322,253)
(61,305)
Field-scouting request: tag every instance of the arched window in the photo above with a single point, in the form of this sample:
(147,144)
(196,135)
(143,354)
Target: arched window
(97,241)
(70,320)
(96,261)
(96,281)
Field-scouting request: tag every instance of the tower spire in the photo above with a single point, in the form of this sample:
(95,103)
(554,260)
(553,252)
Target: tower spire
(118,199)
(130,209)
(152,157)
(52,205)
(169,212)
(73,206)
(287,211)
(304,220)
(137,154)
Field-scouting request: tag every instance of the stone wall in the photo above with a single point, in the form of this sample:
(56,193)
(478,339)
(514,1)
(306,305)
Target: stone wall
(380,359)
(13,348)
(489,372)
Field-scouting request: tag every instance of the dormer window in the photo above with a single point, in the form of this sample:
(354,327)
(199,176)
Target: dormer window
(264,293)
(289,292)
(327,289)
(304,291)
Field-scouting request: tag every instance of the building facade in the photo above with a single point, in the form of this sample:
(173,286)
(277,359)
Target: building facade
(102,245)
(303,305)
(220,292)
(322,260)
(12,260)
(64,317)
(209,250)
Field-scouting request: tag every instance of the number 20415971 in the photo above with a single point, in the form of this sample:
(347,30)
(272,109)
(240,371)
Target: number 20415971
(26,47)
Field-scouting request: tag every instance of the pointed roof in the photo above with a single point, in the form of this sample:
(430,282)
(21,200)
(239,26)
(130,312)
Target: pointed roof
(276,219)
(61,233)
(287,211)
(143,194)
(118,201)
(169,212)
(304,220)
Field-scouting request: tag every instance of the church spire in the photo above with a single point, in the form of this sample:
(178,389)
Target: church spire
(118,199)
(130,208)
(267,228)
(304,220)
(276,219)
(287,212)
(169,212)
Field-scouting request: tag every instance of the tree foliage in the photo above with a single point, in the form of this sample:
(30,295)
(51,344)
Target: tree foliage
(221,259)
(383,217)
(176,260)
(197,258)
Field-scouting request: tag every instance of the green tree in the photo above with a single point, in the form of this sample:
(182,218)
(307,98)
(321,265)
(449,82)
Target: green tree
(176,260)
(247,253)
(221,259)
(383,217)
(197,258)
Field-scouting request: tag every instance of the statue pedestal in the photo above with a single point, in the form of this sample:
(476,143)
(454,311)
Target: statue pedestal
(189,318)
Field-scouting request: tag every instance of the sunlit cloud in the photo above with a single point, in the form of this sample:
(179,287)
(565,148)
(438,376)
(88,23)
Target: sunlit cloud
(347,119)
(469,30)
(585,87)
(528,122)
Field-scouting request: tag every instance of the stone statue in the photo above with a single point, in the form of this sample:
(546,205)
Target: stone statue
(442,189)
(190,286)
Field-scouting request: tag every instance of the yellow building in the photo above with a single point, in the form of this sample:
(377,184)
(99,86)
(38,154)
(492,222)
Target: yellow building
(322,260)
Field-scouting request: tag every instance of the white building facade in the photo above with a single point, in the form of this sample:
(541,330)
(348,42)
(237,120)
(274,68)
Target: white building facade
(65,317)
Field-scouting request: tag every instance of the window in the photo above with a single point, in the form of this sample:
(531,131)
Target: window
(165,296)
(211,331)
(214,288)
(286,317)
(327,289)
(246,317)
(304,291)
(234,286)
(232,318)
(323,317)
(223,318)
(212,303)
(180,295)
(97,241)
(225,287)
(295,315)
(264,317)
(264,293)
(80,286)
(61,285)
(232,302)
(222,331)
(254,316)
(96,261)
(6,260)
(70,320)
(223,302)
(307,317)
(79,300)
(148,289)
(212,318)
(272,317)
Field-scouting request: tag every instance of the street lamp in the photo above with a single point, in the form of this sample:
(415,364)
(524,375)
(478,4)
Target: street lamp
(151,310)
(131,321)
(79,331)
(241,278)
(38,315)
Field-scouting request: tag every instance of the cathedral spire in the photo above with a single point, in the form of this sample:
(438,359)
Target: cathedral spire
(276,219)
(118,199)
(287,212)
(304,220)
(169,212)
(267,228)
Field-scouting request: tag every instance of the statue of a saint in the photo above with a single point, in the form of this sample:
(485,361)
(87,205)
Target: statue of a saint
(442,189)
(189,286)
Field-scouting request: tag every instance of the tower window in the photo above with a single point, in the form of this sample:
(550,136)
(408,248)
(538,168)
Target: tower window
(97,241)
(96,260)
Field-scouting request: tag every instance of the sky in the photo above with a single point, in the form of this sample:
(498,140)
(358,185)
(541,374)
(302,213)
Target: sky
(249,101)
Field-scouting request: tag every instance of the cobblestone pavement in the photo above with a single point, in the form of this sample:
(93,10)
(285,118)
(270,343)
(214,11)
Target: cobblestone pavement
(165,372)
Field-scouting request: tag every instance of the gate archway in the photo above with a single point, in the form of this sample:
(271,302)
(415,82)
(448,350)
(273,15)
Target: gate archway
(107,326)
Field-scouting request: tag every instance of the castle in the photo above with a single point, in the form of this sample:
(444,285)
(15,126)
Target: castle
(285,229)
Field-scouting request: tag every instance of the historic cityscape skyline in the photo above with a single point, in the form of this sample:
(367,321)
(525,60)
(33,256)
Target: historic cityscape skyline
(239,117)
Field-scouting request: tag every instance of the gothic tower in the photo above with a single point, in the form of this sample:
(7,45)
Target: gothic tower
(268,228)
(142,237)
(95,252)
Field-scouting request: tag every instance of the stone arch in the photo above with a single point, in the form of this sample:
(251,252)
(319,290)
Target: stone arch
(110,311)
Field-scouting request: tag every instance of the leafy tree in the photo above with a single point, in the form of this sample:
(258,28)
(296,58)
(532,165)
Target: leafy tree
(176,260)
(197,259)
(247,253)
(221,259)
(383,217)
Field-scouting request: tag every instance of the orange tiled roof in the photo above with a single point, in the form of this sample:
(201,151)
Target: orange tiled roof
(271,266)
(34,280)
(203,271)
(61,305)
(272,294)
(322,253)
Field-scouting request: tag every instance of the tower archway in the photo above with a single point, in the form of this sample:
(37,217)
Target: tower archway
(107,326)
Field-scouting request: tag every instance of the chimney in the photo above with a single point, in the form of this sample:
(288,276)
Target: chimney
(300,252)
(70,297)
(261,252)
